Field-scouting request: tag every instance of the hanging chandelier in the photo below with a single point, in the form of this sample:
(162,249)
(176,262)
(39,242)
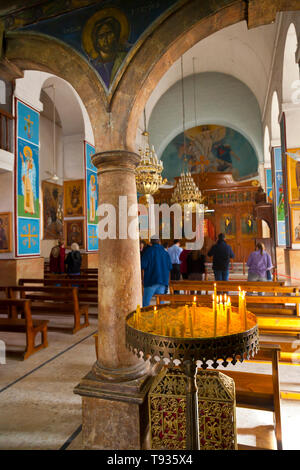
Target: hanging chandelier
(186,192)
(148,173)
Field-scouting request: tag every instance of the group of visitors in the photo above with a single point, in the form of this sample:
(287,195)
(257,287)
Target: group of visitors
(160,263)
(60,262)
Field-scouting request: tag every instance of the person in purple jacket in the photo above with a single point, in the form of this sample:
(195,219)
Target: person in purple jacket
(259,262)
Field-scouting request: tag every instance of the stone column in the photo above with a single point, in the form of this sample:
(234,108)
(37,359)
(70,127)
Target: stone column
(113,393)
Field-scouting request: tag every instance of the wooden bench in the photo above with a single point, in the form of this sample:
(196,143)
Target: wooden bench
(280,324)
(261,391)
(87,289)
(28,325)
(46,300)
(229,286)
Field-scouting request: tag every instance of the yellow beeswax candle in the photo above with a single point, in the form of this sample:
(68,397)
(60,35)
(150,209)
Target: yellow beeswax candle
(244,309)
(228,314)
(215,290)
(191,326)
(194,309)
(216,317)
(240,300)
(155,318)
(221,305)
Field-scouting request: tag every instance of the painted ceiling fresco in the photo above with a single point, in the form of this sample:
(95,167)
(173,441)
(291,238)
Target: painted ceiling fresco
(210,148)
(103,33)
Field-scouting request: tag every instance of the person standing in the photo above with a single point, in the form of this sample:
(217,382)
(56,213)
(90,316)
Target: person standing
(175,251)
(183,263)
(156,266)
(221,253)
(57,258)
(73,260)
(195,266)
(259,263)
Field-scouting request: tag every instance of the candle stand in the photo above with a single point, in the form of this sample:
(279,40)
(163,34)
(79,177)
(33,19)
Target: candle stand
(188,353)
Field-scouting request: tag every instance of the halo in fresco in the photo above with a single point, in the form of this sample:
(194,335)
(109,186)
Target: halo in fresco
(87,40)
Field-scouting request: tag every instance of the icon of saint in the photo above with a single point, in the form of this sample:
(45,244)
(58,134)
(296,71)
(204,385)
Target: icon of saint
(104,39)
(28,177)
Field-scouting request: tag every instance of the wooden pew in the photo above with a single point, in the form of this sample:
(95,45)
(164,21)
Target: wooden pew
(87,289)
(230,286)
(26,325)
(261,391)
(268,324)
(46,300)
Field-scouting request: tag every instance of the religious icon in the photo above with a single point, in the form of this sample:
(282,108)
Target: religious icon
(248,225)
(104,38)
(5,232)
(92,195)
(295,211)
(73,198)
(74,232)
(52,210)
(28,177)
(227,225)
(293,168)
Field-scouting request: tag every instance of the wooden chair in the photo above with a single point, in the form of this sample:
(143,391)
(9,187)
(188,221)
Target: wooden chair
(28,325)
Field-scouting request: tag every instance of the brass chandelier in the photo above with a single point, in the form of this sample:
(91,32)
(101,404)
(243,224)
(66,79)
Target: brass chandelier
(186,192)
(148,172)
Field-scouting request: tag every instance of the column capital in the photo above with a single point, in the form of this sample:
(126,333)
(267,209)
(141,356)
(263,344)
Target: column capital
(116,160)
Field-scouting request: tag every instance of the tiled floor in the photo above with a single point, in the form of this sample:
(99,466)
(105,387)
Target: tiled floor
(38,409)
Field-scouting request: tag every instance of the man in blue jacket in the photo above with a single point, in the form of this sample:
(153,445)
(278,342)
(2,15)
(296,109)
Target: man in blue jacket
(221,253)
(156,264)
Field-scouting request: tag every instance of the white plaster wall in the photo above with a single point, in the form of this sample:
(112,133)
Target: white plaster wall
(7,203)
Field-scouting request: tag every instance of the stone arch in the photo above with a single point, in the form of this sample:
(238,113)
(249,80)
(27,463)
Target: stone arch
(170,40)
(290,75)
(38,52)
(267,143)
(275,128)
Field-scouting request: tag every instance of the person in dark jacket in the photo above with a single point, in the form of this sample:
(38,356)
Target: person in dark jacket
(73,260)
(221,253)
(195,265)
(156,264)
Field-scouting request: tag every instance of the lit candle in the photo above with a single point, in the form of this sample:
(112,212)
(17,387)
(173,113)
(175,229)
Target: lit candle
(138,315)
(221,305)
(240,300)
(155,318)
(228,313)
(215,317)
(214,303)
(194,309)
(215,290)
(244,309)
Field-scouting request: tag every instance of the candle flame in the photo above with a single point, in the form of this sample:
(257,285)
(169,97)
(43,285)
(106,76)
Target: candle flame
(194,298)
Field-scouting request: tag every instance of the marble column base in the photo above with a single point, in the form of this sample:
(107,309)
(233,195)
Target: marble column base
(115,414)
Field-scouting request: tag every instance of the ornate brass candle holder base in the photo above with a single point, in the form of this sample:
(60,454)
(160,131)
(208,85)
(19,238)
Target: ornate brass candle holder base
(216,409)
(189,353)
